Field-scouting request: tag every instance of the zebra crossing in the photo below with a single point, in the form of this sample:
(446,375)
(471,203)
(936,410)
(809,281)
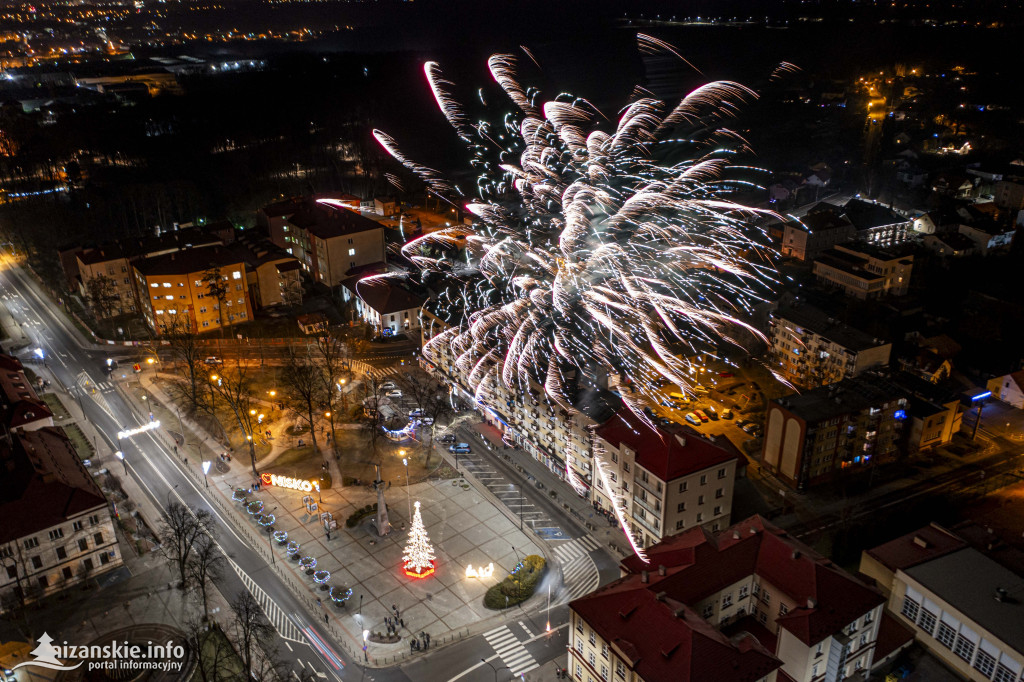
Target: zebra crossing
(579,572)
(511,651)
(282,623)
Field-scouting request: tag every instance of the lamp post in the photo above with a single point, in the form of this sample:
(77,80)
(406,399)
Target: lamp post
(366,656)
(120,456)
(519,586)
(169,491)
(504,667)
(408,495)
(206,469)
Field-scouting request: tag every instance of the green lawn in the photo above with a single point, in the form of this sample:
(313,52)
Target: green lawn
(220,658)
(52,400)
(82,445)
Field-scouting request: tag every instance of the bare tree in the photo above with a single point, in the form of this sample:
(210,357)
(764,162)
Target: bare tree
(252,631)
(234,387)
(291,291)
(101,293)
(331,363)
(187,354)
(432,400)
(205,565)
(373,421)
(179,534)
(213,652)
(217,286)
(304,389)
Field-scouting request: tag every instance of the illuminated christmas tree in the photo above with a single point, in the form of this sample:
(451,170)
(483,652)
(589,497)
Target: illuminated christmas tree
(419,555)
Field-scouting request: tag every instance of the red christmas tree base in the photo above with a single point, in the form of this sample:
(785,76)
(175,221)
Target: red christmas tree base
(413,574)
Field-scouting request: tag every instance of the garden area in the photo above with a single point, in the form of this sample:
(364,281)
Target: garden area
(518,586)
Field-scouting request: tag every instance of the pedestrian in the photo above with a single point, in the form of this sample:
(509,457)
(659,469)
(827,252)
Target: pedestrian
(395,609)
(325,618)
(389,485)
(318,602)
(328,535)
(401,622)
(428,639)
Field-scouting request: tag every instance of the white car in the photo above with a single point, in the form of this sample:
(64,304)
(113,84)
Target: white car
(388,386)
(395,393)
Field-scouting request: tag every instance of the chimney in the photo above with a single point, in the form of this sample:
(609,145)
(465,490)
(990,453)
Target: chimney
(643,577)
(796,554)
(735,535)
(921,542)
(812,603)
(1001,594)
(661,569)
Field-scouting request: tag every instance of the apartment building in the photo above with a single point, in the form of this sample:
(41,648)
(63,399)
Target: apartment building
(327,239)
(876,223)
(57,528)
(812,437)
(959,603)
(864,271)
(810,349)
(746,604)
(387,305)
(669,480)
(821,228)
(20,407)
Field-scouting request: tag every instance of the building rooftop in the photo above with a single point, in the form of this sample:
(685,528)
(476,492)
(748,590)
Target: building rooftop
(171,240)
(914,548)
(699,564)
(968,581)
(867,215)
(668,456)
(328,221)
(19,404)
(818,321)
(386,295)
(955,240)
(193,260)
(42,466)
(824,220)
(852,394)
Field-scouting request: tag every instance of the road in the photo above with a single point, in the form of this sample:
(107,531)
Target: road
(158,472)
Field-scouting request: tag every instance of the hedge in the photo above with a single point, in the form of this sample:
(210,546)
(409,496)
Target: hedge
(360,514)
(528,577)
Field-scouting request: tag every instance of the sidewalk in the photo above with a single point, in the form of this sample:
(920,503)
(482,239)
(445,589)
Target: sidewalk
(12,336)
(464,527)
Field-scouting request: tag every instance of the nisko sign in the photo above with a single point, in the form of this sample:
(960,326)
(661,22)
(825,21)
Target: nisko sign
(288,482)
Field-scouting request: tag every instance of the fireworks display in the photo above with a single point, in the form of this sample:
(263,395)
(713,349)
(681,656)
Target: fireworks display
(599,249)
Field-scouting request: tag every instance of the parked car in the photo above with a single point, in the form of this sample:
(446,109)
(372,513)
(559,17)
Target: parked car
(749,427)
(700,415)
(693,419)
(742,422)
(701,389)
(711,412)
(418,412)
(388,385)
(726,414)
(460,449)
(213,360)
(726,375)
(426,421)
(447,438)
(394,394)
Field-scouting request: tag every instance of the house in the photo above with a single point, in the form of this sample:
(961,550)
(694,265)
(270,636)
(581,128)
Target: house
(387,306)
(952,185)
(877,224)
(988,236)
(953,244)
(864,271)
(748,604)
(49,546)
(815,436)
(669,480)
(312,323)
(1009,194)
(810,348)
(385,206)
(329,239)
(20,407)
(817,231)
(962,605)
(1009,388)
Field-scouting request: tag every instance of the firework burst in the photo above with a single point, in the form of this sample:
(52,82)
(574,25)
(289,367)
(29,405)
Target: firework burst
(598,249)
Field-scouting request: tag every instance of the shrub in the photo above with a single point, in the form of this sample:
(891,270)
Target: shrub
(519,587)
(359,515)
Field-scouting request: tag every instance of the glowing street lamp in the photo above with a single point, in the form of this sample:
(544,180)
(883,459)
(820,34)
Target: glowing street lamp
(366,636)
(206,469)
(408,495)
(120,456)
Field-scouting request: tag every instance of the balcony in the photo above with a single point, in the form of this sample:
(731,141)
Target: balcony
(649,487)
(652,507)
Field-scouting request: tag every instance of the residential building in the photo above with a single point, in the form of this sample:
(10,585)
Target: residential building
(822,228)
(749,604)
(57,528)
(812,437)
(1009,388)
(669,480)
(327,239)
(988,236)
(876,223)
(1009,194)
(962,605)
(864,271)
(950,244)
(388,306)
(385,206)
(20,407)
(810,349)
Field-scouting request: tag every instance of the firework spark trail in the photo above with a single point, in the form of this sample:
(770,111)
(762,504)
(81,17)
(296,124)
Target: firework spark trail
(592,255)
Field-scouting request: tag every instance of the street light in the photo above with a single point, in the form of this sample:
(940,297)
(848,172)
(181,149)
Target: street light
(366,635)
(408,495)
(169,491)
(120,456)
(206,469)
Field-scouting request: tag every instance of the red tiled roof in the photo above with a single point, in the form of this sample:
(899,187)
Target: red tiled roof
(667,456)
(665,641)
(699,564)
(914,548)
(44,483)
(892,635)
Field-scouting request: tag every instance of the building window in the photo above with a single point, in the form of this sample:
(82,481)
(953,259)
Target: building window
(700,499)
(984,663)
(910,609)
(868,617)
(963,648)
(56,533)
(709,610)
(236,275)
(98,539)
(351,252)
(157,286)
(682,487)
(37,563)
(762,617)
(620,669)
(167,285)
(744,592)
(592,638)
(66,572)
(700,517)
(681,507)
(44,582)
(579,645)
(727,600)
(206,323)
(756,590)
(718,511)
(604,672)
(31,542)
(87,563)
(579,625)
(593,659)
(766,597)
(679,524)
(945,635)
(721,473)
(703,479)
(604,651)
(819,650)
(783,609)
(1004,674)
(83,544)
(62,553)
(927,621)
